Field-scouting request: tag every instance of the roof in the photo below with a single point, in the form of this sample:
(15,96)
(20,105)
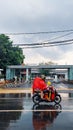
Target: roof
(40,66)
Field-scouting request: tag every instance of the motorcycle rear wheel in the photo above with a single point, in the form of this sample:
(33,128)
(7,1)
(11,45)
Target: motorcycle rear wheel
(57,99)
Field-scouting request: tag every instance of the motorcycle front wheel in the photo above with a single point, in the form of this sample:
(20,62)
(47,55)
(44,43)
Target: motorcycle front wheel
(57,99)
(36,98)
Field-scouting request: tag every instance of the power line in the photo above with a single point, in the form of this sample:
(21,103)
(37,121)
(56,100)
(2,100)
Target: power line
(43,32)
(61,36)
(44,43)
(61,44)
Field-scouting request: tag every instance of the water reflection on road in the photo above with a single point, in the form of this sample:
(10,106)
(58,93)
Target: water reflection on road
(44,116)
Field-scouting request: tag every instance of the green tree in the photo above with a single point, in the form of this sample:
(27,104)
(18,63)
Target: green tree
(9,55)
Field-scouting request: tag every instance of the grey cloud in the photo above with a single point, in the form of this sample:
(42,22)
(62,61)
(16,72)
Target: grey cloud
(39,15)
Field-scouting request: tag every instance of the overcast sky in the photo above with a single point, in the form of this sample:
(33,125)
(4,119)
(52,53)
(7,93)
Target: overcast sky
(31,16)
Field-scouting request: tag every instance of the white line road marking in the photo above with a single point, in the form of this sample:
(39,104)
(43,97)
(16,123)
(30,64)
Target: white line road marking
(63,110)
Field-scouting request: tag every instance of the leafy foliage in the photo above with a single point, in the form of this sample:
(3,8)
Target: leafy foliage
(9,55)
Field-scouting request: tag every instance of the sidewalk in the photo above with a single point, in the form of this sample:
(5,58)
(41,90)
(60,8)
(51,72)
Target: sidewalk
(15,90)
(29,90)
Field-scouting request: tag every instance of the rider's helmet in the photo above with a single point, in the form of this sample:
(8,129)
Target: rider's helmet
(49,83)
(43,77)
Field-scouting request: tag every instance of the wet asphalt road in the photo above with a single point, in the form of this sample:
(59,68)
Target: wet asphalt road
(18,112)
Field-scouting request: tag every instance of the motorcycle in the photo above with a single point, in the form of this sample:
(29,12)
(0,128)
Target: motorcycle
(55,97)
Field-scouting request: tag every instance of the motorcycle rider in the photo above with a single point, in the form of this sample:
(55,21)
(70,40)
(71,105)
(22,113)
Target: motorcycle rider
(40,84)
(50,87)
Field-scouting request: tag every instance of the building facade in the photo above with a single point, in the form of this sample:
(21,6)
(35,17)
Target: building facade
(26,71)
